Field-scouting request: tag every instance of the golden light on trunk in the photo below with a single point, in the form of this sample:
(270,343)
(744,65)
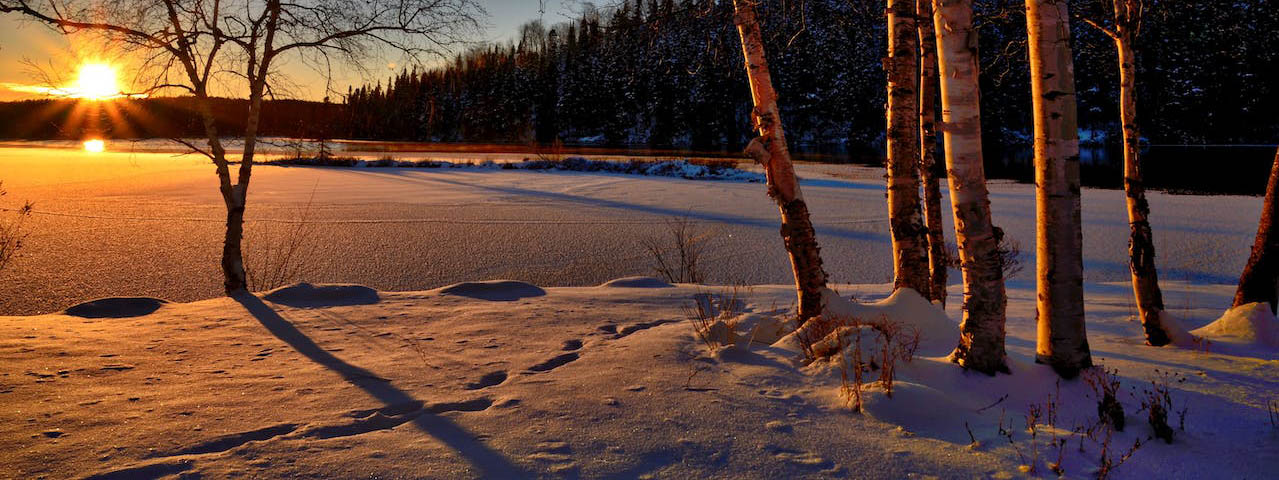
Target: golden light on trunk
(905,218)
(981,342)
(1062,340)
(770,150)
(1141,243)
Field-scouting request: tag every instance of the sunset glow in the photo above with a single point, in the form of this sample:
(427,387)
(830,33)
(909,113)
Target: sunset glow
(96,81)
(95,146)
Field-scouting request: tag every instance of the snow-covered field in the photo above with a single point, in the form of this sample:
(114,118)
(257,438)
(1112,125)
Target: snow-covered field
(149,224)
(513,379)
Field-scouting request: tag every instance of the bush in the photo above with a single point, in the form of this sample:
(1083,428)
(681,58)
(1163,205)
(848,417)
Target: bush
(11,232)
(677,255)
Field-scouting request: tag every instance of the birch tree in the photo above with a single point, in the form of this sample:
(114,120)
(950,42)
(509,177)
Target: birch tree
(981,342)
(191,46)
(909,236)
(930,173)
(1260,279)
(1062,339)
(1125,26)
(770,150)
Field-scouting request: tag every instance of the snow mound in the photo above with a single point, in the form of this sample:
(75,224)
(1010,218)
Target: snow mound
(116,307)
(906,308)
(1252,323)
(305,295)
(494,291)
(636,282)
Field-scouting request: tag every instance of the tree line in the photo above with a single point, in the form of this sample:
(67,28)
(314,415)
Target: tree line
(664,73)
(160,117)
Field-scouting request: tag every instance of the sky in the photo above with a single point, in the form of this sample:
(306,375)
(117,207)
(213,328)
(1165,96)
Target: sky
(22,40)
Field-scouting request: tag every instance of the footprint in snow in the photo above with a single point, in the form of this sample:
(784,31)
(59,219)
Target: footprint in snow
(488,380)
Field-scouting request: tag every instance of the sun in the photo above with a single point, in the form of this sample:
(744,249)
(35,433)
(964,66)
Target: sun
(94,146)
(96,81)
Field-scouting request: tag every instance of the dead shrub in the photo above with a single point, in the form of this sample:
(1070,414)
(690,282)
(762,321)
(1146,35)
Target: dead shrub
(273,259)
(677,255)
(12,234)
(1273,408)
(1007,248)
(1156,401)
(1105,386)
(1107,464)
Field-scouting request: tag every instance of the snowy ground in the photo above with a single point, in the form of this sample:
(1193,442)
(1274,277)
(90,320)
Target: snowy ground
(149,224)
(508,380)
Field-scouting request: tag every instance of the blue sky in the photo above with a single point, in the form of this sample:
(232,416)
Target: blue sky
(21,40)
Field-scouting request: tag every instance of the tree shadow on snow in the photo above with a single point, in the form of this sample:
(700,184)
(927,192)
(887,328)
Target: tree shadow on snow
(823,230)
(488,462)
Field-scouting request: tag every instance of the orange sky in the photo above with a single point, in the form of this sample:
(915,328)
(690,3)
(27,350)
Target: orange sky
(58,56)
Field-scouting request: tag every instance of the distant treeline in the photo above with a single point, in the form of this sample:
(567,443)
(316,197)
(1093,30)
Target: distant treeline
(669,73)
(163,117)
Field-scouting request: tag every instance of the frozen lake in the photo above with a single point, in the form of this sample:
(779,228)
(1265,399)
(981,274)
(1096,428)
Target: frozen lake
(149,224)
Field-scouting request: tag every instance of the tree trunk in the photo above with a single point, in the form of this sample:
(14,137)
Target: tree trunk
(931,171)
(1260,279)
(770,150)
(910,254)
(981,342)
(1141,242)
(1062,340)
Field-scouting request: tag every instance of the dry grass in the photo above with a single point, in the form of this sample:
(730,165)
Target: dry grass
(708,311)
(827,337)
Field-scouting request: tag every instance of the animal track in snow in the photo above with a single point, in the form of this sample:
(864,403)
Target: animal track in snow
(555,362)
(571,345)
(488,380)
(392,416)
(227,442)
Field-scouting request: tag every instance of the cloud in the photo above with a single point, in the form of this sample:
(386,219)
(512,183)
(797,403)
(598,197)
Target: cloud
(37,89)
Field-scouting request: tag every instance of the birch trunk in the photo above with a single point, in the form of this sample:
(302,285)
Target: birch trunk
(981,341)
(771,151)
(910,240)
(1062,338)
(1260,279)
(1141,241)
(931,171)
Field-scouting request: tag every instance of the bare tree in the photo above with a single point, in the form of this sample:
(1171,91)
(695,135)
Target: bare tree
(1260,279)
(770,150)
(1124,29)
(1062,340)
(195,46)
(981,342)
(930,170)
(910,237)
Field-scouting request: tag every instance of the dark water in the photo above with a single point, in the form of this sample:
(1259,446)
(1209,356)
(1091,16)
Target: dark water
(1210,170)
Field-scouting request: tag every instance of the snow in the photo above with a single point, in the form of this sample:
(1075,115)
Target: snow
(589,382)
(1249,324)
(159,219)
(574,366)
